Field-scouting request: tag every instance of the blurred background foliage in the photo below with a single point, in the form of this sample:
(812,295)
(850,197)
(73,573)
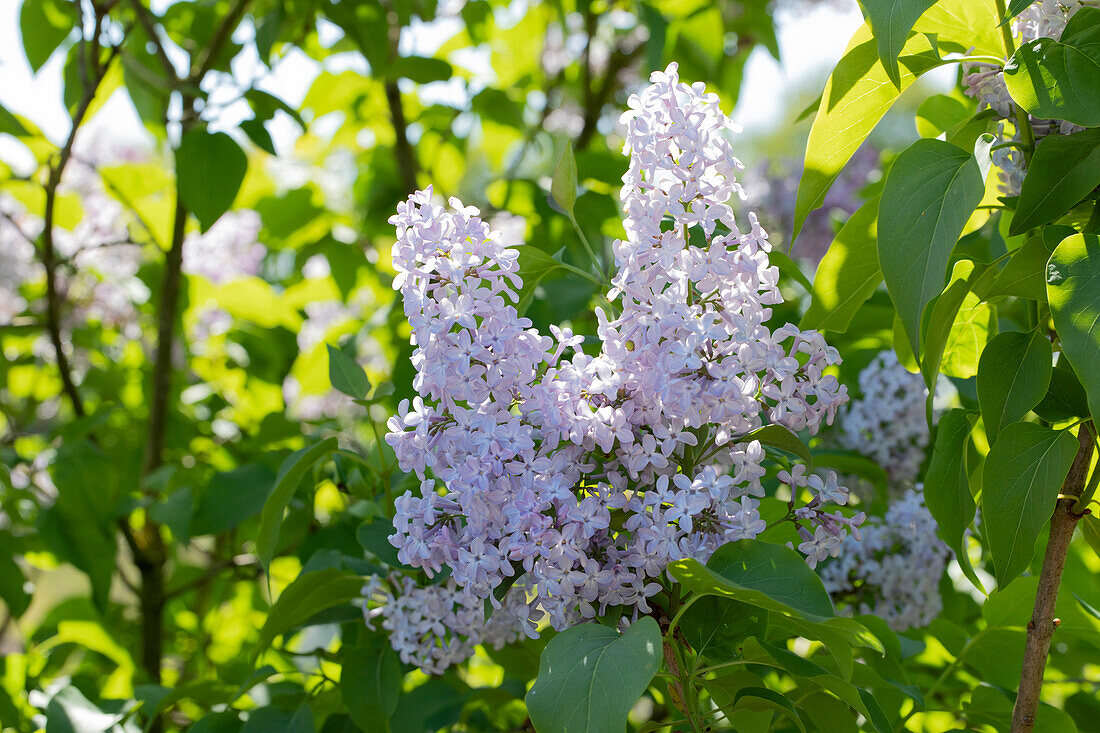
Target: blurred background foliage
(172,303)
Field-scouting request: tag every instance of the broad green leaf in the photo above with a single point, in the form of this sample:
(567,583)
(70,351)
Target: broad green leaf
(345,373)
(715,626)
(43,25)
(939,321)
(751,698)
(563,187)
(940,113)
(975,324)
(12,592)
(228,721)
(947,486)
(848,274)
(780,437)
(420,69)
(1058,79)
(427,708)
(12,125)
(1063,170)
(210,167)
(370,682)
(374,537)
(231,498)
(1015,7)
(1065,398)
(1073,290)
(790,268)
(931,190)
(1013,376)
(1020,481)
(273,719)
(308,594)
(534,265)
(1025,274)
(891,21)
(80,524)
(590,677)
(770,576)
(290,475)
(964,26)
(856,96)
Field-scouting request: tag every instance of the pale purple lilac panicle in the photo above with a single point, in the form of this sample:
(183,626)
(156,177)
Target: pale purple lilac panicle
(587,474)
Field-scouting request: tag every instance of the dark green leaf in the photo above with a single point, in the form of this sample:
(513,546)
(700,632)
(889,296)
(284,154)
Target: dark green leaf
(346,375)
(370,682)
(1073,290)
(1015,7)
(13,594)
(780,437)
(930,192)
(715,626)
(420,69)
(1025,274)
(10,124)
(1013,376)
(210,167)
(1020,481)
(276,720)
(1063,170)
(770,576)
(848,274)
(1058,79)
(258,134)
(374,537)
(590,677)
(891,21)
(231,498)
(309,594)
(1065,398)
(947,486)
(43,25)
(290,475)
(427,708)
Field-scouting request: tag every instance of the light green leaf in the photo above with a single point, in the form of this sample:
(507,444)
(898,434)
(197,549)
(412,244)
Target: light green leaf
(857,95)
(290,475)
(940,113)
(1013,376)
(564,185)
(210,167)
(715,626)
(1020,481)
(1058,79)
(891,21)
(309,593)
(770,576)
(43,25)
(346,375)
(930,192)
(590,677)
(848,274)
(1063,170)
(1073,290)
(964,26)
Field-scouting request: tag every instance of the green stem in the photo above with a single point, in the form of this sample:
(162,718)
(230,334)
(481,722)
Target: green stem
(1023,124)
(588,246)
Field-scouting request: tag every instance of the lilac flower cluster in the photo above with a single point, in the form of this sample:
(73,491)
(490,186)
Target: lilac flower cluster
(985,82)
(436,626)
(894,571)
(587,474)
(888,422)
(228,250)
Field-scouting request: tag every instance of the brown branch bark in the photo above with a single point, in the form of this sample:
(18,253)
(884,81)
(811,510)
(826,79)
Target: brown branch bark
(1040,629)
(402,150)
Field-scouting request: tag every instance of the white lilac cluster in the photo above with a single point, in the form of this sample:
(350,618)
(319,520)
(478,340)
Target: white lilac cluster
(17,257)
(894,571)
(587,474)
(436,626)
(888,422)
(229,249)
(985,82)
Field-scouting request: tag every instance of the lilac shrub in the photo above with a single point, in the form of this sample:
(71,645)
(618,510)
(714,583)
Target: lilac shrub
(586,474)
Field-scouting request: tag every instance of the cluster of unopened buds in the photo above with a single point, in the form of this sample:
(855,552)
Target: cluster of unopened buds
(585,474)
